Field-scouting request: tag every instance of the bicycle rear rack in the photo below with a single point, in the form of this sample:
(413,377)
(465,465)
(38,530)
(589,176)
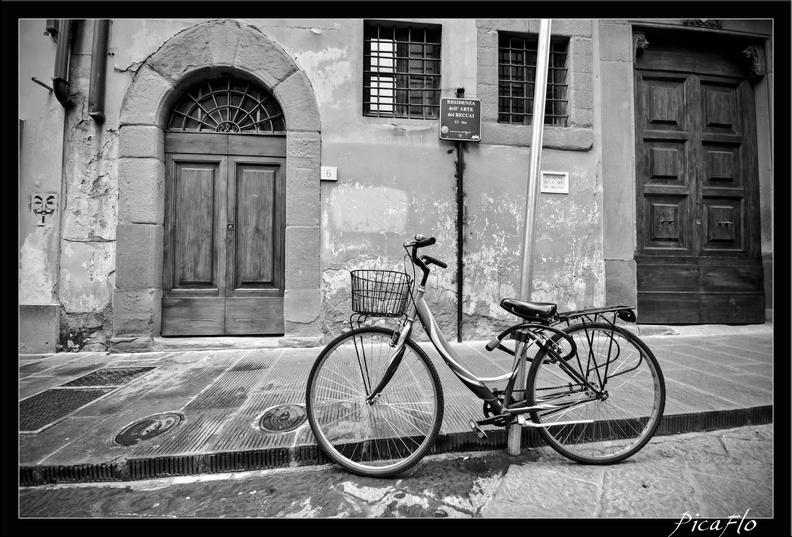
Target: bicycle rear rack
(625,313)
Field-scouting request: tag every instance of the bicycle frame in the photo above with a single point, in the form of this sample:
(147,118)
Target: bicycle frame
(419,308)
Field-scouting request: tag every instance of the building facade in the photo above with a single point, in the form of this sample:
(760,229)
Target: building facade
(185,179)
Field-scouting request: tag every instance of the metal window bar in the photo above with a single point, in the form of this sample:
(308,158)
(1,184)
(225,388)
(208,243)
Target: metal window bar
(401,72)
(516,76)
(227,105)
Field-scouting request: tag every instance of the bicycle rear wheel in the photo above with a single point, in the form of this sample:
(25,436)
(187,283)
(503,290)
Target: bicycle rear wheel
(393,432)
(622,412)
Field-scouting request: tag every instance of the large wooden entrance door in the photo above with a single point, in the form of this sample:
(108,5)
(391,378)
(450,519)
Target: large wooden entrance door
(224,235)
(698,257)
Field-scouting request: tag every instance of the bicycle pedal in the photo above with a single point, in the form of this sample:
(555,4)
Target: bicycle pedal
(478,430)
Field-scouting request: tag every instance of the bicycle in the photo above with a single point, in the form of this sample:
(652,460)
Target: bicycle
(374,400)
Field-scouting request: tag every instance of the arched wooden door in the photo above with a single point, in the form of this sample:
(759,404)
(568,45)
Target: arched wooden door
(225,149)
(698,254)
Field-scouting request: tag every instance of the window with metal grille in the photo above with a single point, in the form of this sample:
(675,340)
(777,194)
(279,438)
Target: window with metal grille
(401,71)
(227,105)
(517,74)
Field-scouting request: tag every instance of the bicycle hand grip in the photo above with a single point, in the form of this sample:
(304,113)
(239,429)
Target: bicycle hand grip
(437,262)
(425,242)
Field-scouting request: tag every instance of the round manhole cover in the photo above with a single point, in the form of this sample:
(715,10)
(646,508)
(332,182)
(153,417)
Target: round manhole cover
(283,418)
(148,428)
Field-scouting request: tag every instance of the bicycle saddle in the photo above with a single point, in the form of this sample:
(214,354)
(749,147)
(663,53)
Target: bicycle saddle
(529,310)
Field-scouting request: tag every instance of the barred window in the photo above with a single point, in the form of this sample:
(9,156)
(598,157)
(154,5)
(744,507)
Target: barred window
(517,75)
(401,71)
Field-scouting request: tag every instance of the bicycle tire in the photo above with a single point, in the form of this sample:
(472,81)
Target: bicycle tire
(394,432)
(624,420)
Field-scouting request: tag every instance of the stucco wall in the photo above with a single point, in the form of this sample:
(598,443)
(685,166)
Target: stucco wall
(86,277)
(40,163)
(395,178)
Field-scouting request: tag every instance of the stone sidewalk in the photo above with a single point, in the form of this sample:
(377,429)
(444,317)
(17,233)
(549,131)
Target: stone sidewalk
(715,379)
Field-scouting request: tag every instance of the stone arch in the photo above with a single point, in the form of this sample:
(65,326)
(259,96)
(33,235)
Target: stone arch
(204,50)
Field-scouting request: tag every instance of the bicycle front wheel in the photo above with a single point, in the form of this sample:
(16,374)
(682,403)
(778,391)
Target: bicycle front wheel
(389,434)
(616,411)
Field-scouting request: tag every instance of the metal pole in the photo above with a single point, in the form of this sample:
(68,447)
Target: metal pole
(460,216)
(529,234)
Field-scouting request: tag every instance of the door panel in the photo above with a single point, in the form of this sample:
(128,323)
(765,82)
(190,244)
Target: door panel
(669,308)
(193,316)
(666,223)
(259,315)
(697,252)
(194,225)
(722,226)
(256,224)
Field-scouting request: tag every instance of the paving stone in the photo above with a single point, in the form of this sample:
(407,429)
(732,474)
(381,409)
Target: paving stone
(724,497)
(547,491)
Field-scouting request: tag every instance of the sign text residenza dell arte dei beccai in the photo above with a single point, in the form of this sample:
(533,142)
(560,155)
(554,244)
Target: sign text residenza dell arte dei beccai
(460,119)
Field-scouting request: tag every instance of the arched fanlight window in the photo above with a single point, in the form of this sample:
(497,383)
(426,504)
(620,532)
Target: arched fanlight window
(227,105)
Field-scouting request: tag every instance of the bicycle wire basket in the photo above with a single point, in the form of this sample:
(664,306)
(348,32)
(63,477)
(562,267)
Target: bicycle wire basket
(380,293)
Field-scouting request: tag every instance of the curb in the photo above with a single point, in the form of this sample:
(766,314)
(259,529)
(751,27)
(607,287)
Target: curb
(701,330)
(308,455)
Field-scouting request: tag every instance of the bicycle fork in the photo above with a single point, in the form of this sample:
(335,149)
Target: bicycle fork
(395,361)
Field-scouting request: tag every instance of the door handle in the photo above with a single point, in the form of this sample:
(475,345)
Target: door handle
(230,225)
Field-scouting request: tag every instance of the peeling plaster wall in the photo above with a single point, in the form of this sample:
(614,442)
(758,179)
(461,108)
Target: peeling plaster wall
(90,200)
(367,217)
(41,119)
(395,177)
(379,205)
(568,265)
(69,263)
(384,163)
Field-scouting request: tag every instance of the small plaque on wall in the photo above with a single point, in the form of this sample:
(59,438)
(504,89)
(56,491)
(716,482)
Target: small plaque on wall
(329,173)
(555,182)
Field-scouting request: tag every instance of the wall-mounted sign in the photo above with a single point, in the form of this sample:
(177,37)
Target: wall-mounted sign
(460,119)
(329,173)
(555,182)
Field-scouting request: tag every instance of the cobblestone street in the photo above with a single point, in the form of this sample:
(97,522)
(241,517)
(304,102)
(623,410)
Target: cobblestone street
(707,475)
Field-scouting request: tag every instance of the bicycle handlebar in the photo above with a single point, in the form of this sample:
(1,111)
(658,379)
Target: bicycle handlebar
(431,260)
(425,242)
(420,241)
(424,260)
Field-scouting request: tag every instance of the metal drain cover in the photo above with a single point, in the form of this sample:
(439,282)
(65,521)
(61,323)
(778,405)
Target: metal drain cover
(47,407)
(283,418)
(116,376)
(148,428)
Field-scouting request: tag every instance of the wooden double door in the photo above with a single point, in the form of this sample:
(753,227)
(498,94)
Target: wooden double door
(698,238)
(224,235)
